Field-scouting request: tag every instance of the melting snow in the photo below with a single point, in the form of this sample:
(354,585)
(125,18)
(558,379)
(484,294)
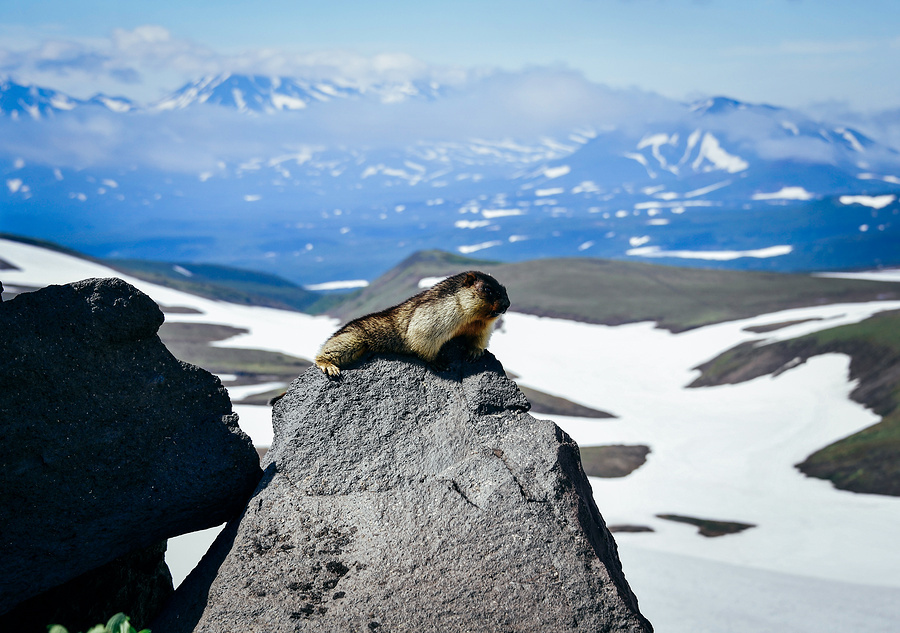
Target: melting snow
(428,282)
(471,224)
(786,193)
(556,172)
(721,256)
(588,186)
(465,250)
(639,241)
(721,452)
(891,179)
(500,213)
(705,190)
(712,151)
(876,202)
(286,102)
(791,127)
(851,139)
(338,285)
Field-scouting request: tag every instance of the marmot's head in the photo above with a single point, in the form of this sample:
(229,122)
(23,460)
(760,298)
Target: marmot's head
(489,290)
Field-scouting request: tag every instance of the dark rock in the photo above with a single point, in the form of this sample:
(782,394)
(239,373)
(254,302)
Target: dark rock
(709,527)
(136,584)
(614,460)
(403,499)
(110,444)
(554,405)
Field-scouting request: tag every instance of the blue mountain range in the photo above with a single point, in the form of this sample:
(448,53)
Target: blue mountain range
(716,182)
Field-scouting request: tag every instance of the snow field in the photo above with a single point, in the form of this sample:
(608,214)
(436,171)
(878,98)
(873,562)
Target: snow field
(722,453)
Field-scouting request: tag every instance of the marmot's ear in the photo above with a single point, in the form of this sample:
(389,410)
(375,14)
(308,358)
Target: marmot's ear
(470,279)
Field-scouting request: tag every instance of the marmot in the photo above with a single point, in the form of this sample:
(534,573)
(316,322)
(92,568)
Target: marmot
(464,305)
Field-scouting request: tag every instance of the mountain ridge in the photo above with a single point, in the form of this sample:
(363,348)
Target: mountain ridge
(260,169)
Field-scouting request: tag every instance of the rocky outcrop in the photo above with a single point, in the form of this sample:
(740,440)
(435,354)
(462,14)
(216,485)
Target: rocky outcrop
(399,498)
(138,583)
(110,444)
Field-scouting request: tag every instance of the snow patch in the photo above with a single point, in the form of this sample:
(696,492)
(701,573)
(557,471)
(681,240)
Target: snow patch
(894,180)
(338,285)
(639,241)
(718,256)
(286,102)
(556,172)
(465,250)
(875,202)
(588,186)
(428,282)
(500,213)
(471,224)
(719,159)
(786,193)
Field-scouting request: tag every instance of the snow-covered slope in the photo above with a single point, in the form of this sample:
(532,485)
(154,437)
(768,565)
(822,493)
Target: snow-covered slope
(265,94)
(724,453)
(35,102)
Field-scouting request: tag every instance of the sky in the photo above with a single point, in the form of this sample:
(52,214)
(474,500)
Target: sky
(794,53)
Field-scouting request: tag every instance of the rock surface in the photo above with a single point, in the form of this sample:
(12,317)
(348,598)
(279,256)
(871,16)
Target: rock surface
(110,444)
(403,499)
(138,584)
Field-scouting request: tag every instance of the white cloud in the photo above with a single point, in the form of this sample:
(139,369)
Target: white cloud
(151,60)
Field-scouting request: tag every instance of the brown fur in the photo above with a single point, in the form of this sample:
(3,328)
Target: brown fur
(464,305)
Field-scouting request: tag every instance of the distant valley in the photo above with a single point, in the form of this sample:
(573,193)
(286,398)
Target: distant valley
(328,181)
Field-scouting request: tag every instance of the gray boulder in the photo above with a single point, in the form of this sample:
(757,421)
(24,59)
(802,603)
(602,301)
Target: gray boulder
(398,498)
(110,444)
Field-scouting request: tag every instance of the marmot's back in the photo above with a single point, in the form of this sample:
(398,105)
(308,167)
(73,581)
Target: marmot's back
(464,305)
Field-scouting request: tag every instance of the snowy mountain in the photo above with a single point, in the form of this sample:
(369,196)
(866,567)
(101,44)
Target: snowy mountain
(18,101)
(254,93)
(263,94)
(326,179)
(31,101)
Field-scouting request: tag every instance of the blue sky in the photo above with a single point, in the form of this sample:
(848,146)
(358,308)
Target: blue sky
(786,52)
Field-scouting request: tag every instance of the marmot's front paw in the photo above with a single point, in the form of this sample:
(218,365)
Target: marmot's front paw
(329,369)
(474,354)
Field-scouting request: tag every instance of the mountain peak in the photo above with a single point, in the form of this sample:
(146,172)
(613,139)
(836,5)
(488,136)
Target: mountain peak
(269,94)
(724,105)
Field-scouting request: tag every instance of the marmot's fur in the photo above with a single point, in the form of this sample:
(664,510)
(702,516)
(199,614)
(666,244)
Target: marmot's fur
(464,305)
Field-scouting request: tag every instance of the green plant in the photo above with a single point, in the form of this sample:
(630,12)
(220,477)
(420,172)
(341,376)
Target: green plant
(119,623)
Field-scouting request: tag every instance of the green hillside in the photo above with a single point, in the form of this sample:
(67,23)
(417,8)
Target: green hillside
(867,461)
(223,283)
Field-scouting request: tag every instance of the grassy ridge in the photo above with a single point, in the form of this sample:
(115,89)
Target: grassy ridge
(614,292)
(190,342)
(867,461)
(234,285)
